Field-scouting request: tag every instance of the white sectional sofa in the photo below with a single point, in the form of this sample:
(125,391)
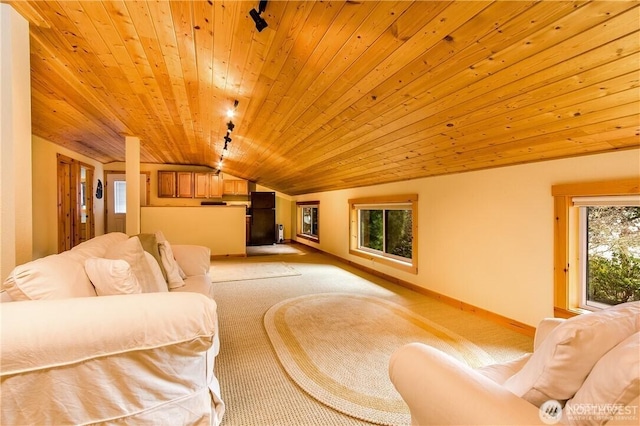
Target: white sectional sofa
(583,371)
(87,338)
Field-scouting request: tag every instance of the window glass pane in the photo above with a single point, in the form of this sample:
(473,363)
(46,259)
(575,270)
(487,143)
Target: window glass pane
(398,233)
(371,229)
(314,221)
(306,220)
(120,196)
(613,254)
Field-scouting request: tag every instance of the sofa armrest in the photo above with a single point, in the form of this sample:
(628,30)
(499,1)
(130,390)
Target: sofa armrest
(544,328)
(51,333)
(442,390)
(193,259)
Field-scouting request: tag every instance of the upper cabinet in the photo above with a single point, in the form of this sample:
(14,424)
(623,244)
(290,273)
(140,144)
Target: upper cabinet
(175,184)
(166,184)
(235,187)
(207,185)
(185,184)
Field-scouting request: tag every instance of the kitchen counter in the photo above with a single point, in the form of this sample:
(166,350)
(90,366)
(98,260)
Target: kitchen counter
(221,228)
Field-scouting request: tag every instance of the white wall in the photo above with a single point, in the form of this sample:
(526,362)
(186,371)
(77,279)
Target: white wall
(45,195)
(486,237)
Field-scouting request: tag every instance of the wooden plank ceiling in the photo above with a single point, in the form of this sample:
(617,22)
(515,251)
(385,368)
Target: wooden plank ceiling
(337,94)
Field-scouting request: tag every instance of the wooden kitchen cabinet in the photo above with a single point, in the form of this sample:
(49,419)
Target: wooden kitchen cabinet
(235,187)
(166,184)
(207,185)
(184,184)
(175,184)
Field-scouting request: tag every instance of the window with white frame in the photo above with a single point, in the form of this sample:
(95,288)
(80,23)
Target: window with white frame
(308,220)
(608,250)
(384,229)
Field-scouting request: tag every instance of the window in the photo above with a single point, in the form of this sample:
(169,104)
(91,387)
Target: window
(384,229)
(308,213)
(609,251)
(120,196)
(596,245)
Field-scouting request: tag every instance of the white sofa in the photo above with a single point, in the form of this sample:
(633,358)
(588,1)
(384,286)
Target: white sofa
(140,353)
(583,371)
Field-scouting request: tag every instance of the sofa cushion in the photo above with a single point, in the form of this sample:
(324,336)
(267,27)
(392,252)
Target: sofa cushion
(111,276)
(159,284)
(174,278)
(615,380)
(559,366)
(131,251)
(57,276)
(196,284)
(150,245)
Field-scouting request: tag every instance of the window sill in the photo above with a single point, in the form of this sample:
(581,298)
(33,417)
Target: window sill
(403,266)
(308,237)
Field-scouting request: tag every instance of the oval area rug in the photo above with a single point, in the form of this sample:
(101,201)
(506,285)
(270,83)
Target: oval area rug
(337,346)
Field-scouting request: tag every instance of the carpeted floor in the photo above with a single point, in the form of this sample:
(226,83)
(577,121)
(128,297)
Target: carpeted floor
(254,385)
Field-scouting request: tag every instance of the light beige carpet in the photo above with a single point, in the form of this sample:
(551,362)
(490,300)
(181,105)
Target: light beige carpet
(273,249)
(336,347)
(240,271)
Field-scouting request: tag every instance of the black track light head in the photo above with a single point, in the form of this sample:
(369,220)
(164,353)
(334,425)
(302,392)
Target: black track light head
(261,24)
(230,126)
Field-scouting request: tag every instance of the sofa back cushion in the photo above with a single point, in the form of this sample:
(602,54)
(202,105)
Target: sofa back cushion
(559,366)
(58,276)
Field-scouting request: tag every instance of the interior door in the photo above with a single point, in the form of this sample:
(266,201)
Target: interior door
(116,200)
(65,203)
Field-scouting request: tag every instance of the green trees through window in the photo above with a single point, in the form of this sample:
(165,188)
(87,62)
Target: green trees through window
(387,231)
(613,254)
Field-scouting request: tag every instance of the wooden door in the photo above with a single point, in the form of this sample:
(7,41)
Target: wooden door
(65,203)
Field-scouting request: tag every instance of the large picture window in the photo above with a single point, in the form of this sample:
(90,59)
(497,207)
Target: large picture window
(384,229)
(609,247)
(308,220)
(596,245)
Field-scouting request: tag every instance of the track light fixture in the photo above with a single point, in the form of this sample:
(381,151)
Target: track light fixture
(261,24)
(227,137)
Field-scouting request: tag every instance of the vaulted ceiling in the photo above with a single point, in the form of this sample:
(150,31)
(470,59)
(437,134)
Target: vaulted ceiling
(338,94)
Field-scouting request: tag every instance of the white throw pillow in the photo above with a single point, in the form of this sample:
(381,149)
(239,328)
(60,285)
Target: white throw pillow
(58,276)
(159,284)
(614,380)
(132,252)
(171,266)
(559,366)
(111,276)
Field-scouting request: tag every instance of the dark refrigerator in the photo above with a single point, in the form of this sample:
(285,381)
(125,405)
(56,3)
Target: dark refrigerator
(263,218)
